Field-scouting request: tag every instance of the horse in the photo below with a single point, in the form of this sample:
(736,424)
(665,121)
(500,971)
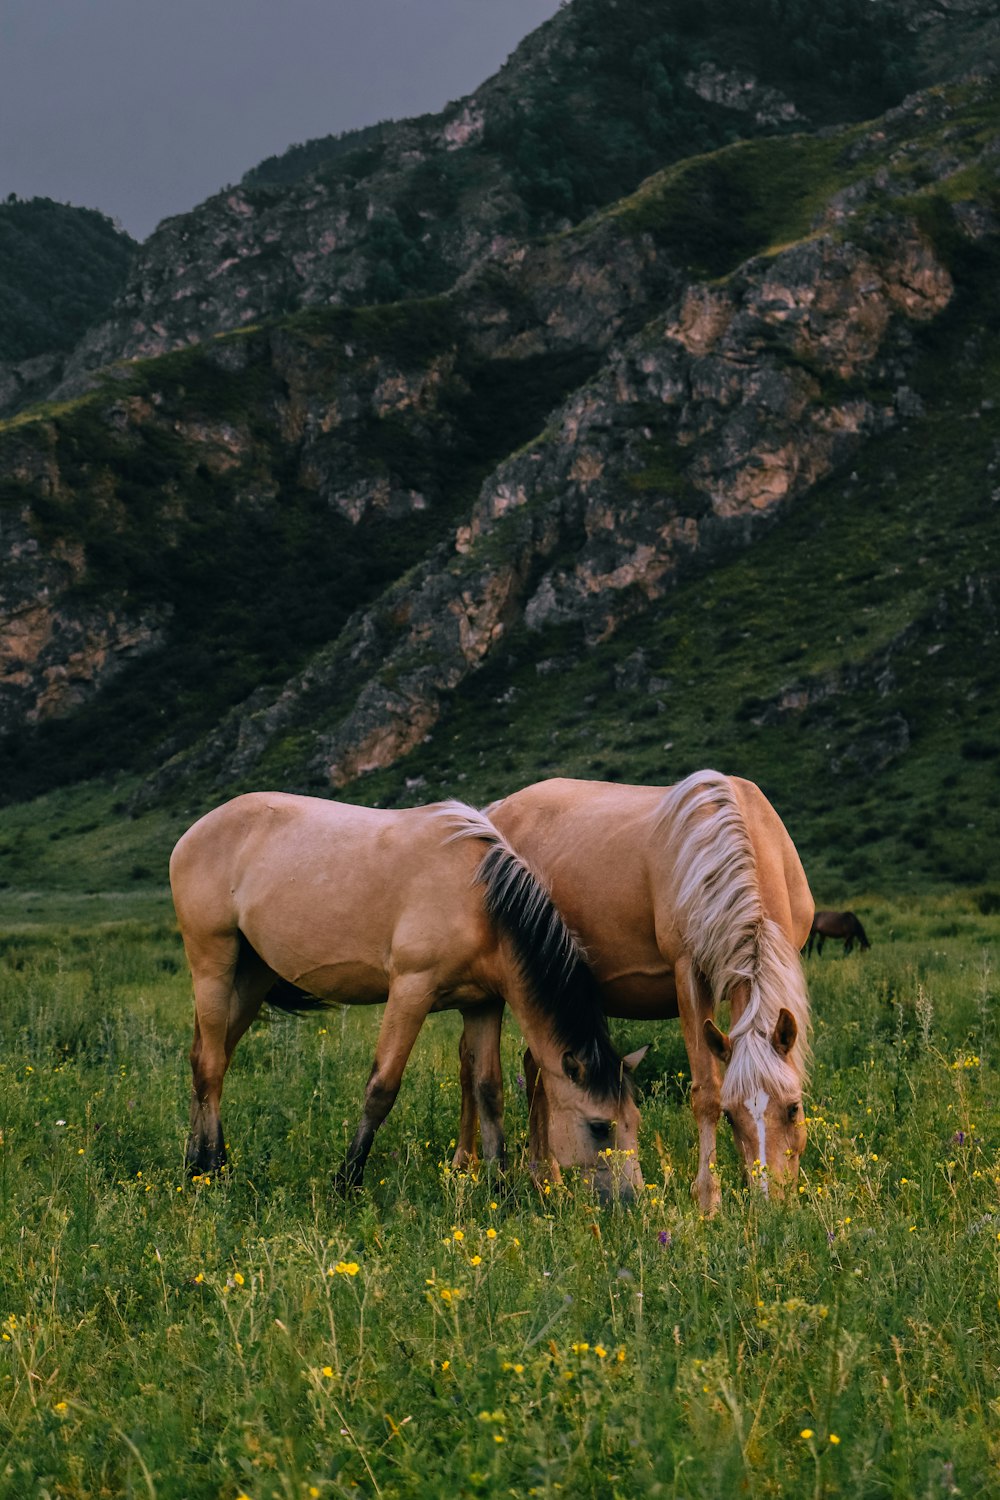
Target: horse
(837,924)
(279,897)
(684,897)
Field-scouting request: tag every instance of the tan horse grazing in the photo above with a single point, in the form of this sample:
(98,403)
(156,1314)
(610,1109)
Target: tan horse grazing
(685,898)
(837,924)
(426,909)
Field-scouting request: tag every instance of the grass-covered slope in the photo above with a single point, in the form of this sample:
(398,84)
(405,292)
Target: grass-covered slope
(849,662)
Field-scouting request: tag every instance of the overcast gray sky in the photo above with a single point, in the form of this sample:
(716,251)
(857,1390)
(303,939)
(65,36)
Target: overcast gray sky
(142,108)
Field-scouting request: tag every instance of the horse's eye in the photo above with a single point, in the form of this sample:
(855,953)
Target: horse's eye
(793,1113)
(600,1129)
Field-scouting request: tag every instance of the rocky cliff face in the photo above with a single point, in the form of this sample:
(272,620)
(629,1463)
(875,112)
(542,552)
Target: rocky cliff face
(429,200)
(359,506)
(727,405)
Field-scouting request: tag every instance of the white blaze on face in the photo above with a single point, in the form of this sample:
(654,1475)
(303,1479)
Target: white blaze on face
(757,1106)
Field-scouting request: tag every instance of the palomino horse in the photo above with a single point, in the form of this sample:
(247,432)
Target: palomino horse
(684,898)
(837,924)
(426,909)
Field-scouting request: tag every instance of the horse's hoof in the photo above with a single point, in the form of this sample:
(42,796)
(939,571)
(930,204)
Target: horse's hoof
(346,1182)
(206,1169)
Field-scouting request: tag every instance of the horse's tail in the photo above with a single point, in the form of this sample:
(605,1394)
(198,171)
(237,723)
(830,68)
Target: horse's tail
(294,1001)
(549,955)
(723,925)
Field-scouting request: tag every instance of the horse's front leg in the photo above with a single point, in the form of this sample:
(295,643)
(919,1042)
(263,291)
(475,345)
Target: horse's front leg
(694,1005)
(482,1087)
(410,998)
(542,1164)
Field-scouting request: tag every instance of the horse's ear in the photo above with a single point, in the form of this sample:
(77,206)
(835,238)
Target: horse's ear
(574,1069)
(631,1060)
(785,1032)
(717,1041)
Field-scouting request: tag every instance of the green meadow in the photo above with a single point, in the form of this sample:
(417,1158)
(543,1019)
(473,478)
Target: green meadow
(443,1334)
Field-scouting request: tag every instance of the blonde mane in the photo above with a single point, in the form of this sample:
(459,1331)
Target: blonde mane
(730,939)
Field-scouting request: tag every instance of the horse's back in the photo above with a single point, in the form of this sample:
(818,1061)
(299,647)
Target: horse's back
(588,841)
(328,894)
(600,846)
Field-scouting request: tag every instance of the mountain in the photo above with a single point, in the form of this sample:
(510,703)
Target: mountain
(707,476)
(600,96)
(61,269)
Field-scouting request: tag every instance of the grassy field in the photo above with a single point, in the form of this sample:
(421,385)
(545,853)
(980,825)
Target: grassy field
(441,1335)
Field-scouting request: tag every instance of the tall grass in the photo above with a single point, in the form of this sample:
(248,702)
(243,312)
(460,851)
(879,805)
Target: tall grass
(443,1334)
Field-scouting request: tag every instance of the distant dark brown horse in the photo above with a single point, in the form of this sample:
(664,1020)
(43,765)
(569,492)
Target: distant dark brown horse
(837,924)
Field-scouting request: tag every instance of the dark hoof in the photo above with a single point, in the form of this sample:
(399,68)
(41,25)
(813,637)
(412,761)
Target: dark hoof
(347,1181)
(206,1163)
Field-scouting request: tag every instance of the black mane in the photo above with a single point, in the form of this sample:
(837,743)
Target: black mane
(553,965)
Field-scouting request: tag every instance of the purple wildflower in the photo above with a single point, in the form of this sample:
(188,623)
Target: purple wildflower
(959,1137)
(665,1238)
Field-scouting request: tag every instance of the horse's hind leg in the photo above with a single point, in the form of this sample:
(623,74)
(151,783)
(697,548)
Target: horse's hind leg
(229,989)
(482,1087)
(410,998)
(468,1122)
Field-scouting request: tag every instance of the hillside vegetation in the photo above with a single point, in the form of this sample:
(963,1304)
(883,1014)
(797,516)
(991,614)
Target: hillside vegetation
(709,477)
(597,98)
(60,270)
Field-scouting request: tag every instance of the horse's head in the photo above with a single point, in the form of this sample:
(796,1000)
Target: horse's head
(581,1123)
(762,1099)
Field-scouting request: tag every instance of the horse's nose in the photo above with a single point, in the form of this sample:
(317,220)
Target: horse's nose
(619,1191)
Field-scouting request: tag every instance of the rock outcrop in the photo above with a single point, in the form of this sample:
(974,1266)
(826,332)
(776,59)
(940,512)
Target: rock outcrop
(423,202)
(726,406)
(567,432)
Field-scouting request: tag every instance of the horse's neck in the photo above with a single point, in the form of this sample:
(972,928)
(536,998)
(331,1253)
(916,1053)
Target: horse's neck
(536,1027)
